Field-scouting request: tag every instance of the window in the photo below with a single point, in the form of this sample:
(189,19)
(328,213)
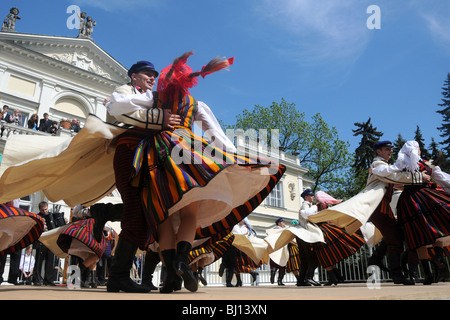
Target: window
(26,203)
(275,198)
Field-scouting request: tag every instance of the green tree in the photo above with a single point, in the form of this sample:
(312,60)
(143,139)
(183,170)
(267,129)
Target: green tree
(421,141)
(316,144)
(445,112)
(398,144)
(364,153)
(326,155)
(282,116)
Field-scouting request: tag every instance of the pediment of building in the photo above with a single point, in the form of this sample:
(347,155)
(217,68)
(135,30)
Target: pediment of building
(79,53)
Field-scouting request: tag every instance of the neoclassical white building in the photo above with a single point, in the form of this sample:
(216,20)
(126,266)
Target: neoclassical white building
(62,76)
(70,78)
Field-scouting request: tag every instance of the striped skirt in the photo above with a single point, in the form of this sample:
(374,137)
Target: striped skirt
(424,214)
(294,262)
(175,169)
(78,239)
(245,264)
(338,245)
(18,228)
(213,251)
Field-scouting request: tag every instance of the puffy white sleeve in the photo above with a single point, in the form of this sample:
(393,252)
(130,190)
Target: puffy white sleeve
(211,128)
(383,171)
(125,103)
(308,212)
(441,178)
(136,109)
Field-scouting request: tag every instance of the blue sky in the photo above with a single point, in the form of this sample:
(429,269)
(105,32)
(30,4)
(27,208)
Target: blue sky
(318,54)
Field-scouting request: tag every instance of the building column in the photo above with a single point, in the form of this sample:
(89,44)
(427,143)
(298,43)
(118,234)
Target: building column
(47,94)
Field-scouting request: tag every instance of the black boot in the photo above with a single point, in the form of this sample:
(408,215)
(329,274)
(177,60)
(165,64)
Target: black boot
(254,275)
(229,276)
(413,271)
(238,280)
(273,272)
(102,213)
(438,264)
(200,276)
(301,277)
(377,256)
(280,279)
(332,279)
(151,261)
(171,279)
(310,276)
(84,276)
(182,267)
(338,275)
(428,276)
(119,278)
(93,282)
(396,270)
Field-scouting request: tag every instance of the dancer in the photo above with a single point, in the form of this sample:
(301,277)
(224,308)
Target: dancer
(277,264)
(18,228)
(373,203)
(338,245)
(77,239)
(423,210)
(205,255)
(179,186)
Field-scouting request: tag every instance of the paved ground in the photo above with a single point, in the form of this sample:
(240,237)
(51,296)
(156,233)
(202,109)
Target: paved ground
(359,291)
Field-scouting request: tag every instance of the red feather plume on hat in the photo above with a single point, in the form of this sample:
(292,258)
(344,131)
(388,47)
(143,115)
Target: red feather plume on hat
(179,76)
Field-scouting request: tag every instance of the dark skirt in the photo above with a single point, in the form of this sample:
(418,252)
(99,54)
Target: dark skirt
(32,223)
(217,248)
(294,262)
(338,245)
(245,264)
(424,214)
(82,231)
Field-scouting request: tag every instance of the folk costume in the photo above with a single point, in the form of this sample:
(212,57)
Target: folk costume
(18,228)
(423,211)
(338,245)
(373,204)
(175,169)
(77,239)
(207,254)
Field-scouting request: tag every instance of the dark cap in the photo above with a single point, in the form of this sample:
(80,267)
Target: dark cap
(381,144)
(279,220)
(142,65)
(307,192)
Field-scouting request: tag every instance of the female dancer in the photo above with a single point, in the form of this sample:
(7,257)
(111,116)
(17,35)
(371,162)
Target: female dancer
(18,228)
(191,188)
(78,239)
(423,210)
(338,245)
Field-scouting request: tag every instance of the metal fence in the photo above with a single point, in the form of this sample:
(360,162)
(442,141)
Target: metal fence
(352,269)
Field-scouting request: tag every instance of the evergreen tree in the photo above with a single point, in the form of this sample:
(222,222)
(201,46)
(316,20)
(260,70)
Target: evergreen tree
(398,144)
(364,154)
(445,112)
(438,157)
(434,150)
(419,138)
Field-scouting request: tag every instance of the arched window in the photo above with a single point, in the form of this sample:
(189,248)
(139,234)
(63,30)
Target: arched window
(70,107)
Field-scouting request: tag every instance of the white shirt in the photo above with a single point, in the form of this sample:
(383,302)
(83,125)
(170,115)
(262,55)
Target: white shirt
(204,118)
(26,262)
(308,210)
(237,229)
